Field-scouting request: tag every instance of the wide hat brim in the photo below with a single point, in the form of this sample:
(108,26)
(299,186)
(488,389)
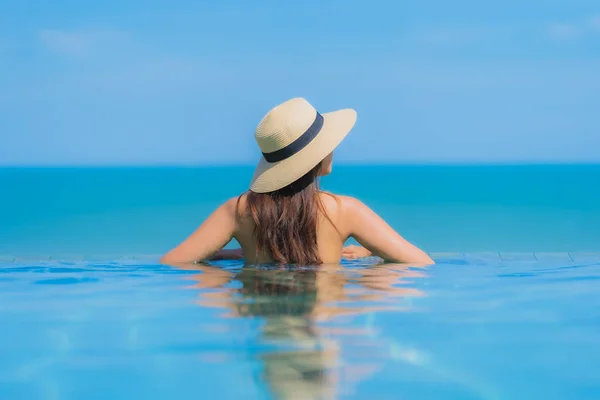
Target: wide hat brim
(269,177)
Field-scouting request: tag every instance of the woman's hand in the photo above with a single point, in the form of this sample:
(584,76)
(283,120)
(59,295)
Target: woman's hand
(353,252)
(228,254)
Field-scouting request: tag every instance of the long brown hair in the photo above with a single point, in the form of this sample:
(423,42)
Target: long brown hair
(285,221)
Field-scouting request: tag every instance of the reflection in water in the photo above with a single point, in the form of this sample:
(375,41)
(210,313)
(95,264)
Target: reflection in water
(305,357)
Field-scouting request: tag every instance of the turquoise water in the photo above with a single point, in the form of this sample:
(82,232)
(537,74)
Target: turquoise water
(510,311)
(466,328)
(123,211)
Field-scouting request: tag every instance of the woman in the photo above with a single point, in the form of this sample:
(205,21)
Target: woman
(284,217)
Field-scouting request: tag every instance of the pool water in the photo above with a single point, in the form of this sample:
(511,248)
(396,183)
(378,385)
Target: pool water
(474,326)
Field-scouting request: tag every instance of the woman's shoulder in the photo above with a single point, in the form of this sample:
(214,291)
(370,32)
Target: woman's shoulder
(339,202)
(338,198)
(234,208)
(234,205)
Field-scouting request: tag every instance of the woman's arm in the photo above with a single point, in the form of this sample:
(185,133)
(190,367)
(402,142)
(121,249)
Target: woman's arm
(214,233)
(377,236)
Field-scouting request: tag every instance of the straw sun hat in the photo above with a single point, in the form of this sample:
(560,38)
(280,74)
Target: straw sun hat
(293,138)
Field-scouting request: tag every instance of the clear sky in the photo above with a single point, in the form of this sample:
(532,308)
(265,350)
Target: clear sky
(186,82)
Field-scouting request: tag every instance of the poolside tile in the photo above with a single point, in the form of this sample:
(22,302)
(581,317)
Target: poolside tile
(141,257)
(554,258)
(446,255)
(7,259)
(517,257)
(101,257)
(32,258)
(67,257)
(585,257)
(485,257)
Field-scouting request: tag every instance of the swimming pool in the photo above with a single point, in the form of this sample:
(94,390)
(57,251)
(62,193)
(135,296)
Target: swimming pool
(474,326)
(86,311)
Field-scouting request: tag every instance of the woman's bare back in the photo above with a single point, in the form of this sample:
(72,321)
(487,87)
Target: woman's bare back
(345,217)
(330,233)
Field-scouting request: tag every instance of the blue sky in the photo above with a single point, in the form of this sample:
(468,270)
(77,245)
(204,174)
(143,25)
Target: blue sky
(186,82)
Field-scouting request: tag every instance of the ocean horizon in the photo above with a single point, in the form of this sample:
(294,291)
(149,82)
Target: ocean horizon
(125,210)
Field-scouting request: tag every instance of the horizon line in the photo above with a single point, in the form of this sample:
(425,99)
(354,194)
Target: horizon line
(339,163)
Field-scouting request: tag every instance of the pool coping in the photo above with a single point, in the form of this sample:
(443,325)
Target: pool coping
(562,257)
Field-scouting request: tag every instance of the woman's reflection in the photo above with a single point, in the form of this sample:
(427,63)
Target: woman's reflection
(305,360)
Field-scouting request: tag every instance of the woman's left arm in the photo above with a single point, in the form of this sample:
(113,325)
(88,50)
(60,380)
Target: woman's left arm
(214,233)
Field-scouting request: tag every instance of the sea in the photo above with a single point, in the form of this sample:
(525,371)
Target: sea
(122,211)
(509,311)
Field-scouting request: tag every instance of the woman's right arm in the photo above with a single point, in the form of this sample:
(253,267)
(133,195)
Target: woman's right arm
(212,235)
(372,232)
